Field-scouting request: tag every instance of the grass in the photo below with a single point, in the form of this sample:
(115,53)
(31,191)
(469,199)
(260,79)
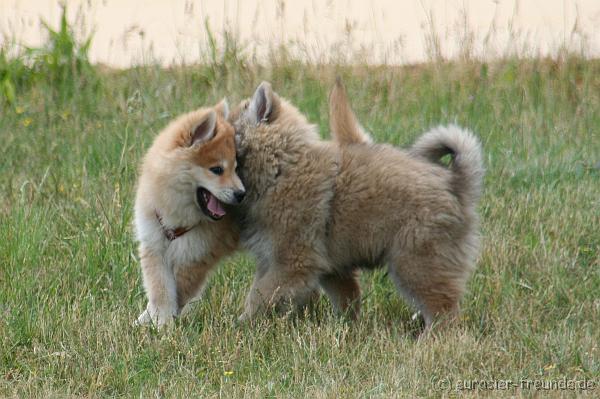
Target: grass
(70,284)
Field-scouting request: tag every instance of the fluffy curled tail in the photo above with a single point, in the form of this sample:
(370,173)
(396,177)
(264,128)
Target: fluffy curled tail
(344,126)
(466,165)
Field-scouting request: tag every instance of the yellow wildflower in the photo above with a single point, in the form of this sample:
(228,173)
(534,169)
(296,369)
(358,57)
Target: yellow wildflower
(549,367)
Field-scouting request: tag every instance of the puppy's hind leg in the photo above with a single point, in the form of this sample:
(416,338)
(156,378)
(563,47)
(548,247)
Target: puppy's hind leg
(190,282)
(430,284)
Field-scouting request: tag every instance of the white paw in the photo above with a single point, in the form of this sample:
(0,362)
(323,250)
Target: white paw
(143,319)
(245,317)
(156,316)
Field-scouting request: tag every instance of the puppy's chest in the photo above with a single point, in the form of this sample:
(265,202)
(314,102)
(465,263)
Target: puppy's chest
(191,247)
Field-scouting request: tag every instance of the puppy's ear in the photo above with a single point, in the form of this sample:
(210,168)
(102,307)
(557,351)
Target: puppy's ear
(222,108)
(205,129)
(263,104)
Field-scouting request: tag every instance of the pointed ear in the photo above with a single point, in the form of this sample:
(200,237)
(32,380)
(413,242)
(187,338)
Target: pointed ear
(263,103)
(205,129)
(222,108)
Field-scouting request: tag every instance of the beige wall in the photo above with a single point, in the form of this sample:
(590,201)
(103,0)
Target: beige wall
(133,31)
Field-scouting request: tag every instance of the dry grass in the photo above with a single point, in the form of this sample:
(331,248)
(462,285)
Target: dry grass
(70,285)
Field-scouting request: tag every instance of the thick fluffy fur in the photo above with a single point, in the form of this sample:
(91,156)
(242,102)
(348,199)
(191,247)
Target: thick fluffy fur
(315,211)
(176,165)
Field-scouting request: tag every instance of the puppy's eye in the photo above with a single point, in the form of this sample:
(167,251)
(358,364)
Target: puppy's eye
(217,170)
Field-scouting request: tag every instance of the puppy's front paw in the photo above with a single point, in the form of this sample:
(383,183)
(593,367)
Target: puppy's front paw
(156,316)
(247,316)
(143,319)
(243,318)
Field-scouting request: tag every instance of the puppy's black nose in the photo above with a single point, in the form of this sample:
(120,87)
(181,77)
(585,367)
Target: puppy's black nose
(239,195)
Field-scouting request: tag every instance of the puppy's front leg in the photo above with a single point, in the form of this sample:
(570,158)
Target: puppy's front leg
(159,283)
(344,292)
(277,288)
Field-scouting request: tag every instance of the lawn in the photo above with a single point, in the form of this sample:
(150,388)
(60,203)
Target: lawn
(70,283)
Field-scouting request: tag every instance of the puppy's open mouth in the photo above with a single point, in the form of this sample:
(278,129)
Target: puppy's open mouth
(209,204)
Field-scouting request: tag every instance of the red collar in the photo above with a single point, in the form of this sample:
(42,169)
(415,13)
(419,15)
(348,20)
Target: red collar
(171,234)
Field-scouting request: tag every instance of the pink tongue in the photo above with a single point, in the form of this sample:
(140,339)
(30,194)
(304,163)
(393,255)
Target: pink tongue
(214,206)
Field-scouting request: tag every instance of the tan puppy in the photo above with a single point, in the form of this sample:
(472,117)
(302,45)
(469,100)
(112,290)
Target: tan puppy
(181,224)
(315,211)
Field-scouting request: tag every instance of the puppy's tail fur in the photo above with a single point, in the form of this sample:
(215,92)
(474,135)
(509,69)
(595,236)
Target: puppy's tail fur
(343,124)
(466,164)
